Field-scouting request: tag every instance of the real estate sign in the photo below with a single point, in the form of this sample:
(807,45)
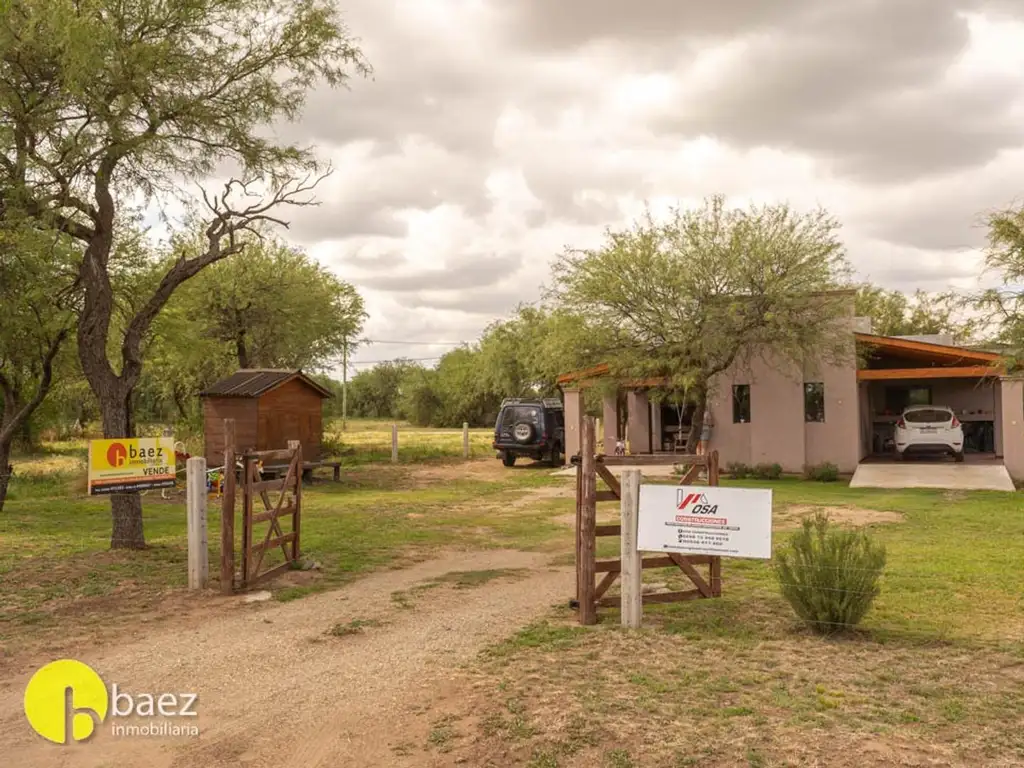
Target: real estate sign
(697,520)
(130,464)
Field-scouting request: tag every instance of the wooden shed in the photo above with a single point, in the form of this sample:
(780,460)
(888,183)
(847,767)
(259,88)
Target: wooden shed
(269,406)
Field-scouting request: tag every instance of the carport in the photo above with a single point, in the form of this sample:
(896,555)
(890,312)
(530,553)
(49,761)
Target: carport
(898,372)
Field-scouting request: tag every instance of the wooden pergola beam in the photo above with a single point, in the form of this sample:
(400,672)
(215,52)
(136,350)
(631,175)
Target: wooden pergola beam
(961,372)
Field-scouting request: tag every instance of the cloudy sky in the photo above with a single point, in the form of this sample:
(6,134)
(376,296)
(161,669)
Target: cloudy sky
(494,132)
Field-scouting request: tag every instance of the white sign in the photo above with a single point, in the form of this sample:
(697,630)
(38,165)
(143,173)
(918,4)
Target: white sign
(697,520)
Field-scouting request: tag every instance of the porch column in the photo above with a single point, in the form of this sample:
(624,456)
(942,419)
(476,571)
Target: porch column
(638,422)
(1012,395)
(610,420)
(573,404)
(656,427)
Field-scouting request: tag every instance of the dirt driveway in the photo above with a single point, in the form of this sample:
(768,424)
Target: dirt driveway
(277,688)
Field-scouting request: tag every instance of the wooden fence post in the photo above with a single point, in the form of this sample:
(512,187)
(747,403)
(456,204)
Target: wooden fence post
(632,567)
(227,515)
(394,443)
(465,439)
(588,525)
(195,496)
(297,517)
(715,566)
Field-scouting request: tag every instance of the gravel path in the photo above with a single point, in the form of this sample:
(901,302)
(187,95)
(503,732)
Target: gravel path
(276,690)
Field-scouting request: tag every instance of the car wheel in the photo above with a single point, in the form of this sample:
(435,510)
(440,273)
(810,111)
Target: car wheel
(508,459)
(958,457)
(556,456)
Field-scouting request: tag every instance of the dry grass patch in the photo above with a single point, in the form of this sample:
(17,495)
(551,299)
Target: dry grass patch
(668,696)
(791,516)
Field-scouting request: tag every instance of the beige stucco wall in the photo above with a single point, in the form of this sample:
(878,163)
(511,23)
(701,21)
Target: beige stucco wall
(1012,391)
(837,439)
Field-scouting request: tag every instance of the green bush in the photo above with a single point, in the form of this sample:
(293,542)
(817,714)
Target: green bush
(829,575)
(826,472)
(767,471)
(737,470)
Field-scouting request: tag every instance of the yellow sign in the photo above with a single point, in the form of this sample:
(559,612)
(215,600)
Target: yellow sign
(65,701)
(130,464)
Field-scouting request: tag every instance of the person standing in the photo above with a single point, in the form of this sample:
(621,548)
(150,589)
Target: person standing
(705,434)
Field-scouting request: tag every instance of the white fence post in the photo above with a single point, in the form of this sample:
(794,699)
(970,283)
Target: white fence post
(632,567)
(198,550)
(394,443)
(465,439)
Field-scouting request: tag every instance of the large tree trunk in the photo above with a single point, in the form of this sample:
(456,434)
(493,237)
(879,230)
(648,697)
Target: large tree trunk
(5,471)
(125,509)
(115,410)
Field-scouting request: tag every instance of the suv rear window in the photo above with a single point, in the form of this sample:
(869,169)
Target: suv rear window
(928,416)
(518,413)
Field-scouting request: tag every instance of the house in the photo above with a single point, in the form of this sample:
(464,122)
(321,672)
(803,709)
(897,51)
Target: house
(765,411)
(269,406)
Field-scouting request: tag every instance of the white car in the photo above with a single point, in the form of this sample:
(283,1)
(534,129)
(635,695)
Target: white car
(929,429)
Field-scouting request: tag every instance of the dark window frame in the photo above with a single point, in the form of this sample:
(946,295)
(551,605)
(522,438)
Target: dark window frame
(741,404)
(814,402)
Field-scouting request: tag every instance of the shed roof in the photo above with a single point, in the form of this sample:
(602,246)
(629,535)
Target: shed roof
(254,382)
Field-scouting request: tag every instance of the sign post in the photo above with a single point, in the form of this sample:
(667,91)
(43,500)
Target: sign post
(699,520)
(198,545)
(130,464)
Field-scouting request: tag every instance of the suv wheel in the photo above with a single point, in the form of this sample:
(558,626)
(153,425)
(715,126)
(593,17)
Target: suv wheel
(556,456)
(508,459)
(523,432)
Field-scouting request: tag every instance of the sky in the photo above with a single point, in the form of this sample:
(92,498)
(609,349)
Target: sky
(494,133)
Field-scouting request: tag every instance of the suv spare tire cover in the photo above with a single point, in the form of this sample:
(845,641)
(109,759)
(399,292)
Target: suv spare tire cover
(523,432)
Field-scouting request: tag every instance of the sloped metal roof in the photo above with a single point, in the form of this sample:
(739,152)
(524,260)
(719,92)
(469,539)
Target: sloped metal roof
(253,382)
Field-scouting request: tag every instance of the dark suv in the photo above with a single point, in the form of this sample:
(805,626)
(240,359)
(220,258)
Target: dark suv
(533,428)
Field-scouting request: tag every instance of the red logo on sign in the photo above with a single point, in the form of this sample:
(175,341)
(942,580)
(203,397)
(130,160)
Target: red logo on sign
(689,499)
(117,455)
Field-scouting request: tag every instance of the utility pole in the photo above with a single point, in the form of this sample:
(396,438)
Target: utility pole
(344,386)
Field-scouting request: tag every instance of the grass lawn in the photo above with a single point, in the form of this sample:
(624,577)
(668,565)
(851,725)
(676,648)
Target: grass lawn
(55,565)
(935,675)
(368,441)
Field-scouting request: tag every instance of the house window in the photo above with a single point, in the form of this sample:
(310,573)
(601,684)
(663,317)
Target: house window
(898,398)
(814,401)
(740,403)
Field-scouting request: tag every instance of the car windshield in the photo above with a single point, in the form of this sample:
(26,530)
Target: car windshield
(520,413)
(928,416)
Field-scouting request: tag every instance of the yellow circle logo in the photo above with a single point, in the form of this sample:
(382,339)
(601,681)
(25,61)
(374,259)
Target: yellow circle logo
(65,701)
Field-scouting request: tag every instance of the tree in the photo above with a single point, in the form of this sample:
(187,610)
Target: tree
(1003,306)
(687,298)
(37,293)
(276,308)
(104,102)
(375,393)
(892,313)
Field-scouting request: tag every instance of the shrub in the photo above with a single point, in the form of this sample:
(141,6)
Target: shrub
(767,471)
(828,575)
(737,470)
(826,472)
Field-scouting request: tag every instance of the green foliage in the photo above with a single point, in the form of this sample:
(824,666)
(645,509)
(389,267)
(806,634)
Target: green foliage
(828,575)
(687,297)
(826,472)
(766,471)
(374,393)
(737,470)
(740,471)
(1004,305)
(893,313)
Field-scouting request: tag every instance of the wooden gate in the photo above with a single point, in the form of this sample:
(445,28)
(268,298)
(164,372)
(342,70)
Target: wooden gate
(266,548)
(589,467)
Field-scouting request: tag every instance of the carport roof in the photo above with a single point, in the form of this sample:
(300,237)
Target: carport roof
(899,358)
